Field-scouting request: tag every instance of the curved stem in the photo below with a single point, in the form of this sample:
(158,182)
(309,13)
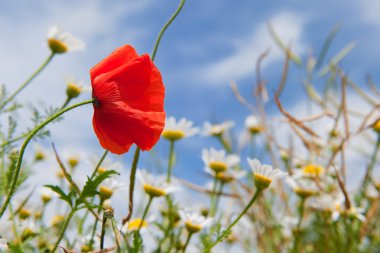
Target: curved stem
(145,213)
(22,86)
(170,162)
(228,229)
(25,144)
(132,178)
(99,164)
(187,242)
(63,230)
(163,29)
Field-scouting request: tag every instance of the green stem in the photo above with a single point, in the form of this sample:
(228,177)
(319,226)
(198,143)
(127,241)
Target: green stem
(13,140)
(145,213)
(170,162)
(163,29)
(103,233)
(368,176)
(116,233)
(23,147)
(67,101)
(132,178)
(22,86)
(63,229)
(213,197)
(298,228)
(218,196)
(187,242)
(228,229)
(225,144)
(99,164)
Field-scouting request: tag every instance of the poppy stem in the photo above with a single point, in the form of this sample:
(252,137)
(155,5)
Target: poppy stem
(132,178)
(25,144)
(163,29)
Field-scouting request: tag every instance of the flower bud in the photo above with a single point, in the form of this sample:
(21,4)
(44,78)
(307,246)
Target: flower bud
(73,90)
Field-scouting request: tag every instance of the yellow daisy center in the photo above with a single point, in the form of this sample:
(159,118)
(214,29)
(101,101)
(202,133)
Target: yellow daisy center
(105,192)
(218,166)
(303,193)
(153,191)
(24,213)
(261,181)
(73,161)
(57,219)
(376,126)
(313,169)
(192,228)
(136,223)
(57,46)
(73,90)
(224,177)
(255,129)
(173,135)
(101,170)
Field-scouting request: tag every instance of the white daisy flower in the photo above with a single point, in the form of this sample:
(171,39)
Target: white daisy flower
(216,129)
(46,194)
(178,130)
(253,125)
(155,186)
(228,176)
(109,186)
(340,209)
(264,174)
(136,223)
(61,41)
(303,187)
(324,203)
(218,160)
(194,222)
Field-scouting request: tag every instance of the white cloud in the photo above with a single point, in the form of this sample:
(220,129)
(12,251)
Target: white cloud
(369,11)
(23,48)
(241,63)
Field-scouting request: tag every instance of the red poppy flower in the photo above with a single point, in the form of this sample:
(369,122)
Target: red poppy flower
(128,103)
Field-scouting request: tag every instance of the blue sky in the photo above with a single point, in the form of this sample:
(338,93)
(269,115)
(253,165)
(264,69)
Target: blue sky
(210,43)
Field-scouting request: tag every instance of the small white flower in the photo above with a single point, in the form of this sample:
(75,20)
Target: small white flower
(340,209)
(303,187)
(61,41)
(264,174)
(177,130)
(218,160)
(134,224)
(109,186)
(194,222)
(155,186)
(216,129)
(325,203)
(253,125)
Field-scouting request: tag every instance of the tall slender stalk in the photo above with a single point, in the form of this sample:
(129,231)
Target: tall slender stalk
(25,144)
(228,229)
(22,86)
(166,25)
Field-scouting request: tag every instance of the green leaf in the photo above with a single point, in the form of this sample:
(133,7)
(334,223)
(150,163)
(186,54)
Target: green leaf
(89,189)
(62,194)
(337,58)
(327,45)
(137,243)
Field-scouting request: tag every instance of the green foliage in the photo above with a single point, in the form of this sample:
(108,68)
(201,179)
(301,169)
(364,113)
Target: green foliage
(89,189)
(68,198)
